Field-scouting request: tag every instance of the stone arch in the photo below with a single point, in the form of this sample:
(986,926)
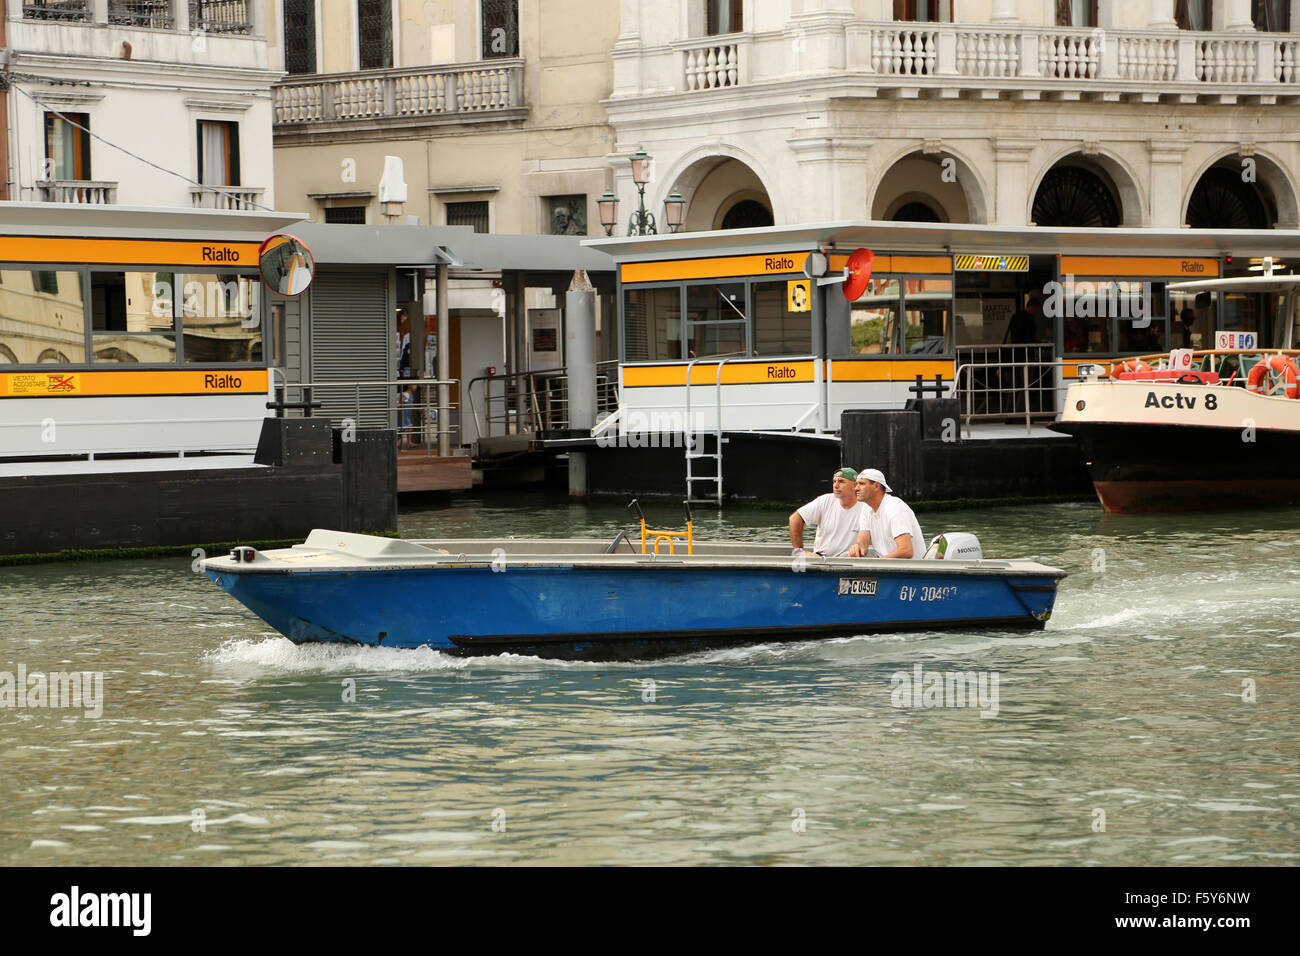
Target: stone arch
(1279,186)
(7,355)
(52,356)
(903,179)
(1113,171)
(714,178)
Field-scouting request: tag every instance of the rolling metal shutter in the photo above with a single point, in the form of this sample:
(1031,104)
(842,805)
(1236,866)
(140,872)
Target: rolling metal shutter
(351,341)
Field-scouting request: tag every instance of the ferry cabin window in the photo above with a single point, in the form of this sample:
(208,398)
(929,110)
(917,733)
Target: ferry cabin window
(874,319)
(652,324)
(42,317)
(777,330)
(67,146)
(717,322)
(927,304)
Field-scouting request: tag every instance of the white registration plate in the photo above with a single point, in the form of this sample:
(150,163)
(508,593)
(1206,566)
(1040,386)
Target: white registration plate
(865,586)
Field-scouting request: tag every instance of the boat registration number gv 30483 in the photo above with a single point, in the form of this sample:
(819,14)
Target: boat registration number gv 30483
(865,586)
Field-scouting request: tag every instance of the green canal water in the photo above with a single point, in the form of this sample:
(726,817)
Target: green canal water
(1154,721)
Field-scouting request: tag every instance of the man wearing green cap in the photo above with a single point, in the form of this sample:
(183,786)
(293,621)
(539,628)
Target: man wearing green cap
(836,515)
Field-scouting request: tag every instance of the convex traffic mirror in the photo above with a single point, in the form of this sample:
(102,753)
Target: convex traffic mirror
(287,264)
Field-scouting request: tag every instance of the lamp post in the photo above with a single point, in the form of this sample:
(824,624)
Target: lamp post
(608,206)
(641,222)
(674,208)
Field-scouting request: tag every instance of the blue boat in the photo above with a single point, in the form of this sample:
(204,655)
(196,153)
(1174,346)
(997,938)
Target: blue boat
(569,598)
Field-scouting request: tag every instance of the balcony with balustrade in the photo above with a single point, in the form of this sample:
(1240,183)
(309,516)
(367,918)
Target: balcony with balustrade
(86,192)
(488,91)
(222,33)
(1012,61)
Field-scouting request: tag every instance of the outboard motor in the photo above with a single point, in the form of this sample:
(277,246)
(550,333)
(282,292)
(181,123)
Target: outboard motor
(956,546)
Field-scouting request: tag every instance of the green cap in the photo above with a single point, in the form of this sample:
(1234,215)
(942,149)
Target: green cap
(848,474)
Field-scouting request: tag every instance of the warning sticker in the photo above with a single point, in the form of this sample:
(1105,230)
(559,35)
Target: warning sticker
(55,383)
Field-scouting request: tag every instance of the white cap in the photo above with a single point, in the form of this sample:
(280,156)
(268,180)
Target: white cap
(875,474)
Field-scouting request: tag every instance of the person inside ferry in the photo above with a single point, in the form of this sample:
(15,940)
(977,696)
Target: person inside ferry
(837,516)
(889,527)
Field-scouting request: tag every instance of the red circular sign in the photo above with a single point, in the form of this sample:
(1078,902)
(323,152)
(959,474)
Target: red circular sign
(859,267)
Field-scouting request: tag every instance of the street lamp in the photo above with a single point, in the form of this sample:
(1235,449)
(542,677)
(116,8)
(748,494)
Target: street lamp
(641,222)
(608,206)
(674,208)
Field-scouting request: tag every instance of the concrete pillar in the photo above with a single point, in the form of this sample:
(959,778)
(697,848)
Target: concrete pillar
(580,354)
(580,364)
(181,15)
(444,363)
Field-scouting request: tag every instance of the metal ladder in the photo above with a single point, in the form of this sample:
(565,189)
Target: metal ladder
(693,454)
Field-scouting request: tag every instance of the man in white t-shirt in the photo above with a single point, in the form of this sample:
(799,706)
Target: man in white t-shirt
(888,524)
(836,515)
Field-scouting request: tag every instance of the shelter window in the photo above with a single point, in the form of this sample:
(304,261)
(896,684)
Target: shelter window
(132,317)
(473,214)
(67,146)
(220,317)
(500,19)
(42,317)
(1138,312)
(652,324)
(777,330)
(874,328)
(717,320)
(927,307)
(1192,320)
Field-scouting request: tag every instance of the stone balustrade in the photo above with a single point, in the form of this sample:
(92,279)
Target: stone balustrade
(454,93)
(77,191)
(1004,60)
(226,197)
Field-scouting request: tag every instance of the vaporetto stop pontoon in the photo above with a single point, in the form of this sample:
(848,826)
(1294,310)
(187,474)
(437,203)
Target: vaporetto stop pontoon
(572,598)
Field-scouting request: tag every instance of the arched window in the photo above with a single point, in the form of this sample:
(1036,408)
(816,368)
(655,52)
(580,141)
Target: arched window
(1222,201)
(1074,196)
(916,211)
(747,214)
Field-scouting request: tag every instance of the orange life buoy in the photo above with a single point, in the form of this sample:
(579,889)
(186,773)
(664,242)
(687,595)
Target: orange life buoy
(1132,365)
(1277,375)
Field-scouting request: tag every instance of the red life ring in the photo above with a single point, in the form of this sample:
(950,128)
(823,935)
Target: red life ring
(1278,375)
(1136,366)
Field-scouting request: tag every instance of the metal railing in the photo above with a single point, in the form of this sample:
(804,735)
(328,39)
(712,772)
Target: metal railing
(221,16)
(372,406)
(519,403)
(1006,381)
(150,14)
(75,10)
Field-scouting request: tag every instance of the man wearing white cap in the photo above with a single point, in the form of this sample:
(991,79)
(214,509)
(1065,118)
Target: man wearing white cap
(888,524)
(837,516)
